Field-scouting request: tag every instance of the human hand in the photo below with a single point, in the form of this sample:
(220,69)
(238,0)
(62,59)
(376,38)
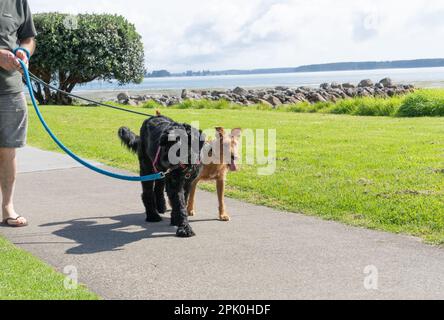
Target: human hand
(8,61)
(22,56)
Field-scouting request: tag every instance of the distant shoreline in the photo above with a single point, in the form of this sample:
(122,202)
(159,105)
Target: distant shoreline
(420,78)
(325,67)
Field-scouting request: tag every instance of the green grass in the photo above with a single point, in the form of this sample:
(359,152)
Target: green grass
(377,172)
(424,102)
(24,277)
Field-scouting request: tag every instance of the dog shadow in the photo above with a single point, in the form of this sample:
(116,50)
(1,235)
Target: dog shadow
(93,236)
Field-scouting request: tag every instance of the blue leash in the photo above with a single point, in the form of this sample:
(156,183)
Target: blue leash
(153,177)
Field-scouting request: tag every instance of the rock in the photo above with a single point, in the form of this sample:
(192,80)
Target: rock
(316,97)
(366,83)
(300,97)
(351,92)
(226,97)
(216,93)
(132,102)
(325,86)
(361,92)
(348,86)
(379,85)
(185,94)
(400,91)
(240,91)
(274,101)
(370,90)
(138,98)
(386,82)
(123,97)
(335,85)
(293,100)
(278,95)
(306,89)
(261,94)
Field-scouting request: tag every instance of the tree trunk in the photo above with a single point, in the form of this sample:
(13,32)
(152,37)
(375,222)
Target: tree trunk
(66,83)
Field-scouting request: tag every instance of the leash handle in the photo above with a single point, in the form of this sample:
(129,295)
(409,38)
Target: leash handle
(26,51)
(153,177)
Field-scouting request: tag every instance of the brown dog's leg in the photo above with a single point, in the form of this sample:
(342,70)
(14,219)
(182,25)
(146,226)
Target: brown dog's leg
(220,185)
(191,197)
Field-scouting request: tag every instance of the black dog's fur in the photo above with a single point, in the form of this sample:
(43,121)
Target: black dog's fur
(154,133)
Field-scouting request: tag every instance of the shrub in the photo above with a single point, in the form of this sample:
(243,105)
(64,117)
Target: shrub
(423,103)
(346,106)
(303,107)
(99,47)
(377,106)
(207,104)
(151,104)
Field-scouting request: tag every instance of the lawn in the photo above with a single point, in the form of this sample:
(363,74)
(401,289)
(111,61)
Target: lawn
(24,277)
(382,173)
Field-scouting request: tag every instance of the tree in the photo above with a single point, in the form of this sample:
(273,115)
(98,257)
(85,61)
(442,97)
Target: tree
(159,74)
(74,50)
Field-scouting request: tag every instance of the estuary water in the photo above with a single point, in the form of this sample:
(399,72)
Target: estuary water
(421,77)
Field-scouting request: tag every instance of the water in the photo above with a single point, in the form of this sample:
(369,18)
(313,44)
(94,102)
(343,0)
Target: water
(421,77)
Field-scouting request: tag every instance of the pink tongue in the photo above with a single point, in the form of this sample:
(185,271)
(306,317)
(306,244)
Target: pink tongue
(233,166)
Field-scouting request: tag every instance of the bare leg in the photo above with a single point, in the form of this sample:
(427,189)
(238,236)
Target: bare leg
(220,185)
(8,172)
(190,207)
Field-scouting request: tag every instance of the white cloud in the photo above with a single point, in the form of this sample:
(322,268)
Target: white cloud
(214,34)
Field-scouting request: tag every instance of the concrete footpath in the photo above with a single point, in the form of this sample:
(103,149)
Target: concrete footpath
(81,219)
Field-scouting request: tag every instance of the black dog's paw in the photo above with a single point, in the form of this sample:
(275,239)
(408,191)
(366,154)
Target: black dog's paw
(185,232)
(175,222)
(153,217)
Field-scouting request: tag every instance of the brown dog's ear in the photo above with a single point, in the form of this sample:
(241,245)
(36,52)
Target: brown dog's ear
(236,133)
(220,132)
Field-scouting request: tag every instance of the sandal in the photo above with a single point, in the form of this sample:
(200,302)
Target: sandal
(7,222)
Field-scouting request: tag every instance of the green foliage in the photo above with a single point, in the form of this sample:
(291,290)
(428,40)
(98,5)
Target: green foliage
(207,104)
(151,104)
(424,103)
(304,107)
(95,46)
(367,106)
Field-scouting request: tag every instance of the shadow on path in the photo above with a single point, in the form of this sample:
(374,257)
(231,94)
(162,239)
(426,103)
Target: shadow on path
(93,236)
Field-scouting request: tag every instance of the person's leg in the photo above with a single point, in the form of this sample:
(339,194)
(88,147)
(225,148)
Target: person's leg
(8,172)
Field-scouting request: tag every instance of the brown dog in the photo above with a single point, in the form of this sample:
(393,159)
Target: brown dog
(224,149)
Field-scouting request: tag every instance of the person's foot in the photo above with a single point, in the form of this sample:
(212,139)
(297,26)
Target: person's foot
(12,219)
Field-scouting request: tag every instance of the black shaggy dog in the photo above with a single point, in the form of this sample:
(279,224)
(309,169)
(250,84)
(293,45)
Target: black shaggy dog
(160,136)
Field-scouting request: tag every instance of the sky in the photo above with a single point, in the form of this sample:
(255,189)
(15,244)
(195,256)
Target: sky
(182,35)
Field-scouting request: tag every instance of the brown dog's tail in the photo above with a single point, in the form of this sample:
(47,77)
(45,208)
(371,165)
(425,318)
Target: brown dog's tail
(129,139)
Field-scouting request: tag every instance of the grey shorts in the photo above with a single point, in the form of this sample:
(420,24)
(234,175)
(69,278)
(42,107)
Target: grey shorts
(13,120)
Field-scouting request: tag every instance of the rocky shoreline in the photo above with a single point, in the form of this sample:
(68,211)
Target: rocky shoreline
(327,92)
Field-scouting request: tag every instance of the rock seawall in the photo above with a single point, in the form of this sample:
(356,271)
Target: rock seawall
(327,92)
